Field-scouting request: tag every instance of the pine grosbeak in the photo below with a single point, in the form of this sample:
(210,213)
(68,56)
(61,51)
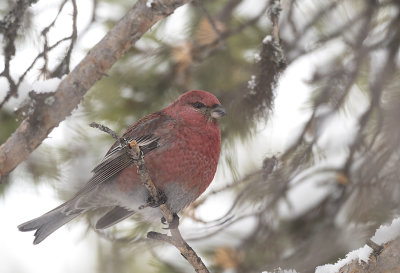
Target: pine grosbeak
(181,147)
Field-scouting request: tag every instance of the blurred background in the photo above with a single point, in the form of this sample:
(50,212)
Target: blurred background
(309,164)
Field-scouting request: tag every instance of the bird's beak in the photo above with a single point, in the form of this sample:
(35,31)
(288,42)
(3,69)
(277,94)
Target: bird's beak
(218,112)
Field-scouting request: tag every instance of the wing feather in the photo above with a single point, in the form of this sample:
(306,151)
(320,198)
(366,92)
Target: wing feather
(147,132)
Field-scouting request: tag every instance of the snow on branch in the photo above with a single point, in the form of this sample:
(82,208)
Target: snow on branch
(365,259)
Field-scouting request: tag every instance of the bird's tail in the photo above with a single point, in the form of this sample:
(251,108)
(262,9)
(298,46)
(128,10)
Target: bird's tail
(48,223)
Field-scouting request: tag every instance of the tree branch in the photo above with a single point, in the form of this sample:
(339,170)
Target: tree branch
(9,27)
(385,260)
(35,128)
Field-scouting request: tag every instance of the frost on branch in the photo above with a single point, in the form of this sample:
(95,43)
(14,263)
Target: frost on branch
(365,260)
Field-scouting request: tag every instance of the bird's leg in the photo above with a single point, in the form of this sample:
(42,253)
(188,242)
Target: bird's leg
(174,224)
(161,200)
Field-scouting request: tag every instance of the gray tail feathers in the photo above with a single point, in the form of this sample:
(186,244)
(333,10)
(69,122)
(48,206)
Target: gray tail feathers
(48,223)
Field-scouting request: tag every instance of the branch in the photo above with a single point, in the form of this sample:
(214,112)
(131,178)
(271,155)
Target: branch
(9,27)
(210,19)
(382,259)
(274,15)
(176,238)
(35,128)
(63,67)
(270,64)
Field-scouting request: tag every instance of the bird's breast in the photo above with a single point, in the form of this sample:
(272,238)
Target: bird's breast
(183,165)
(191,159)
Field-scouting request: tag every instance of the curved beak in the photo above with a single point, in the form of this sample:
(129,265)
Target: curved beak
(218,111)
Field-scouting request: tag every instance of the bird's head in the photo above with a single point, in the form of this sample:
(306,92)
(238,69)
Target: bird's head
(197,105)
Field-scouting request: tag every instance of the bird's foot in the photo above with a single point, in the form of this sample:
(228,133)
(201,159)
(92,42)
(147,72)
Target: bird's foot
(161,200)
(174,224)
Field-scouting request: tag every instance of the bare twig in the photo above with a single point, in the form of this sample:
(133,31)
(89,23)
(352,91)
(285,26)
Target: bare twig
(105,129)
(45,31)
(210,19)
(63,67)
(274,14)
(176,238)
(8,25)
(9,28)
(198,50)
(40,55)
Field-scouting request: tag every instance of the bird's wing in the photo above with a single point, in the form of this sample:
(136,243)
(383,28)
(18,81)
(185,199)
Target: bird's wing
(147,132)
(146,144)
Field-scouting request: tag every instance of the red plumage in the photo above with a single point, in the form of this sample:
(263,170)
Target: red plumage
(181,146)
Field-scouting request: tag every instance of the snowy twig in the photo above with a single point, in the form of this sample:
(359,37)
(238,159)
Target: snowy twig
(362,259)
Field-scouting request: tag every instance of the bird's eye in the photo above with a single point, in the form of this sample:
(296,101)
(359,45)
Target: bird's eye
(198,105)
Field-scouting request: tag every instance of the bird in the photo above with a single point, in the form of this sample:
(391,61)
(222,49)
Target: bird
(180,145)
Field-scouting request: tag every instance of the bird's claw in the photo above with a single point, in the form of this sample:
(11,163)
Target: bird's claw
(155,204)
(174,224)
